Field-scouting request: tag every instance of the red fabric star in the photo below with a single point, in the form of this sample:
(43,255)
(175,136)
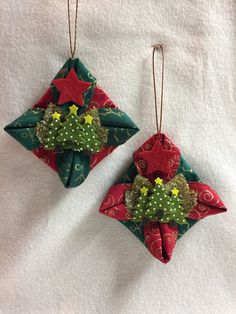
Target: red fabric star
(71,88)
(158,158)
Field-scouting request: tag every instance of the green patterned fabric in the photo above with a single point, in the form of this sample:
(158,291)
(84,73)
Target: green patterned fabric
(187,171)
(184,228)
(129,175)
(23,128)
(73,167)
(120,126)
(137,227)
(83,74)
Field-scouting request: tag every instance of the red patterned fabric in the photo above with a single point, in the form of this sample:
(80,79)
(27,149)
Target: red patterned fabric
(113,205)
(160,240)
(96,158)
(45,100)
(208,203)
(101,99)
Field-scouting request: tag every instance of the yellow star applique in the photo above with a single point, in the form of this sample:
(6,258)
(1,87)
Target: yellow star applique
(175,191)
(159,181)
(56,116)
(73,109)
(144,190)
(88,119)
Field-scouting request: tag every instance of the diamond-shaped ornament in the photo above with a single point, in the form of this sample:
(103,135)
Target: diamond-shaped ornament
(73,126)
(160,197)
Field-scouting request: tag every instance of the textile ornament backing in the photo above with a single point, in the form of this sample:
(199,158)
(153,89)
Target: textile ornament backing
(160,196)
(74,125)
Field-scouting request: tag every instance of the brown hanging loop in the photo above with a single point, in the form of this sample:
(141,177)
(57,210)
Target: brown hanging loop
(72,50)
(155,48)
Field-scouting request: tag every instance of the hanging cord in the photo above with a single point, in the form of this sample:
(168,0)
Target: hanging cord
(155,48)
(72,50)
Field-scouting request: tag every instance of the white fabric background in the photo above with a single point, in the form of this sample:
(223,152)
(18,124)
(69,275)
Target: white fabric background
(58,255)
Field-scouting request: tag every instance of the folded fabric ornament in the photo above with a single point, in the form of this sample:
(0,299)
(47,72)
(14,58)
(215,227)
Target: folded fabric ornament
(73,126)
(159,211)
(160,197)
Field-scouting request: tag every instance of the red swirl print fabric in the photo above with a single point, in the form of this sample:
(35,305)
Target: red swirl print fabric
(113,204)
(209,202)
(160,240)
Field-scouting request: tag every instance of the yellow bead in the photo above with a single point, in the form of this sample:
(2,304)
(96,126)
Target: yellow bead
(175,191)
(144,190)
(56,116)
(88,119)
(73,109)
(159,181)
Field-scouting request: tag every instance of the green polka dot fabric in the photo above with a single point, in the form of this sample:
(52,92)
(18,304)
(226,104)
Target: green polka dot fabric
(140,208)
(164,207)
(51,139)
(70,133)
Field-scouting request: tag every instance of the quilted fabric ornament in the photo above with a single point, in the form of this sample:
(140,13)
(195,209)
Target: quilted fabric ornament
(74,125)
(160,196)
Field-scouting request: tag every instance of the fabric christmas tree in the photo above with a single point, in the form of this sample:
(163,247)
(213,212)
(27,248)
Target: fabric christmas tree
(101,131)
(139,209)
(49,124)
(91,139)
(175,213)
(187,196)
(158,201)
(54,126)
(164,207)
(165,202)
(79,133)
(71,135)
(132,194)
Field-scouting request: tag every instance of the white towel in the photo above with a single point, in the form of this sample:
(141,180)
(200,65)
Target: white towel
(58,255)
